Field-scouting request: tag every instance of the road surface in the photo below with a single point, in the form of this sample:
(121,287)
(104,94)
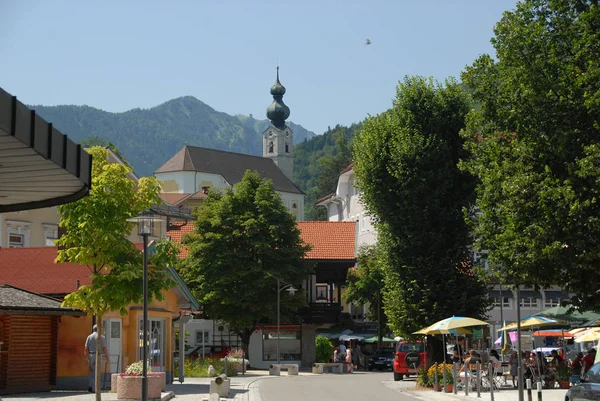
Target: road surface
(358,386)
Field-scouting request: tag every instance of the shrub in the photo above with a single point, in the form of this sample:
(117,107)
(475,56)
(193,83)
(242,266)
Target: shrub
(324,349)
(422,377)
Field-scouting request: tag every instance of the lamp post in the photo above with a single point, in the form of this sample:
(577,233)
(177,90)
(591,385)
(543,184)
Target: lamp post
(290,288)
(145,222)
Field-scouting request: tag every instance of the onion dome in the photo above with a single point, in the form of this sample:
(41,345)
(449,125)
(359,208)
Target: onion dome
(278,112)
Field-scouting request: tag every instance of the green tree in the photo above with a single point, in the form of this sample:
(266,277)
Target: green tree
(533,144)
(95,236)
(366,284)
(406,166)
(244,240)
(324,349)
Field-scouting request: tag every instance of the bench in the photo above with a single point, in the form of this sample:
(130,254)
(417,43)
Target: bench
(275,369)
(334,367)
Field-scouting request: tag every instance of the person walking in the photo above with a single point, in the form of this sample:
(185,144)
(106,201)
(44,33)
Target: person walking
(90,355)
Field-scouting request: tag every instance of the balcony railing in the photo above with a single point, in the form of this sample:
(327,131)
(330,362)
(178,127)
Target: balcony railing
(321,312)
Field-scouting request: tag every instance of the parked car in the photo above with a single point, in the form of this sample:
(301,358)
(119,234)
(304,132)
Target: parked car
(588,388)
(409,356)
(382,358)
(208,351)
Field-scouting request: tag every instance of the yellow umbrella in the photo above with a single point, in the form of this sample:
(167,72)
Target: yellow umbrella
(455,322)
(427,330)
(578,331)
(589,335)
(535,321)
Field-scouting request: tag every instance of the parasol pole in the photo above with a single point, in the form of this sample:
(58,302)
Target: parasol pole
(519,346)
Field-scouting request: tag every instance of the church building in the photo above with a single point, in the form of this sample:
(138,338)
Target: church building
(192,171)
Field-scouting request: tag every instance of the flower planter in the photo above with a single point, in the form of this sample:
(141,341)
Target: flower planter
(449,387)
(437,388)
(564,384)
(130,387)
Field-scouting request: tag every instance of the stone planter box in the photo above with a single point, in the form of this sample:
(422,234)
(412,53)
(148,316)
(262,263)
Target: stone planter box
(130,387)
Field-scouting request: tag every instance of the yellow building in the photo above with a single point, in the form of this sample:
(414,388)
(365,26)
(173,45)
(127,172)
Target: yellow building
(33,269)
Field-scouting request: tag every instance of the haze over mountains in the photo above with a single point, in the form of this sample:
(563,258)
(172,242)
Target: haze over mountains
(147,138)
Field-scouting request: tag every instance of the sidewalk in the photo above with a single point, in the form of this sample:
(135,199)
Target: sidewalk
(502,395)
(192,389)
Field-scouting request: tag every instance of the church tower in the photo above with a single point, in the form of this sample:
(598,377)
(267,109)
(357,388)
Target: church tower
(278,138)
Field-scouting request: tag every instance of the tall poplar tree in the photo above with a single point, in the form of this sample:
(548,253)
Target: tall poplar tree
(406,164)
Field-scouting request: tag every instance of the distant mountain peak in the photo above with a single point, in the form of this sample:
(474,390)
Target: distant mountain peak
(149,137)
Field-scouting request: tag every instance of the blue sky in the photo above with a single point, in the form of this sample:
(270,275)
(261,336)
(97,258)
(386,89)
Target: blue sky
(119,55)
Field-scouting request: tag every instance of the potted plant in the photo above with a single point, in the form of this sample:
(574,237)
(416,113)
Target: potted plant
(235,357)
(447,382)
(129,383)
(563,375)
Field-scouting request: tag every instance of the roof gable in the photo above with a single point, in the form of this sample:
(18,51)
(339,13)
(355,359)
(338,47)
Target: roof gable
(232,166)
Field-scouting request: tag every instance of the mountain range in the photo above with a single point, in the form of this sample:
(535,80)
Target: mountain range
(149,137)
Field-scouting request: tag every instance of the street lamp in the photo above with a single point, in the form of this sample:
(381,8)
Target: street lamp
(290,288)
(145,222)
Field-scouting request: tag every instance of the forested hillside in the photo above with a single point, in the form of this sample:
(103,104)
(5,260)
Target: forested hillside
(149,137)
(318,162)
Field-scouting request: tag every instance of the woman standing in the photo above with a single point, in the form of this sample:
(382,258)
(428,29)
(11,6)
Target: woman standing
(349,360)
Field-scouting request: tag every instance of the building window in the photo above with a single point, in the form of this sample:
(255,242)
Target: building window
(322,293)
(364,222)
(551,302)
(50,234)
(16,240)
(529,302)
(270,147)
(199,337)
(505,302)
(287,148)
(18,233)
(290,346)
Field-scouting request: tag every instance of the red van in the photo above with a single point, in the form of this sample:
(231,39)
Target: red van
(409,357)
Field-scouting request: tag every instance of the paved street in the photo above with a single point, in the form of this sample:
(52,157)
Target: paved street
(258,386)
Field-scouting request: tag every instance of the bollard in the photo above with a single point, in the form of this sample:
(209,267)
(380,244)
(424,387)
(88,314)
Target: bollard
(454,375)
(467,378)
(539,390)
(444,378)
(492,380)
(437,380)
(478,379)
(528,383)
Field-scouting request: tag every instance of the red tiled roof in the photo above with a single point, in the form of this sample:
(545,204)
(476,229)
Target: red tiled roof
(347,168)
(33,269)
(330,239)
(177,232)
